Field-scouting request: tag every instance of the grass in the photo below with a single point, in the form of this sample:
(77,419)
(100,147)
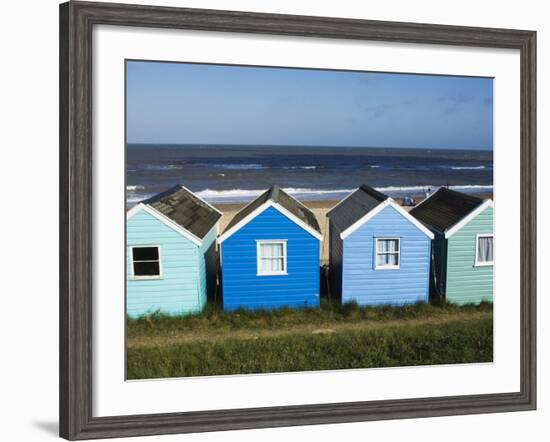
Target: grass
(452,342)
(213,318)
(332,337)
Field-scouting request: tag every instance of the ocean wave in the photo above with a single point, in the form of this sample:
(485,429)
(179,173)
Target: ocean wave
(133,188)
(467,167)
(236,166)
(243,194)
(136,198)
(250,166)
(163,167)
(374,166)
(135,192)
(423,189)
(473,187)
(234,195)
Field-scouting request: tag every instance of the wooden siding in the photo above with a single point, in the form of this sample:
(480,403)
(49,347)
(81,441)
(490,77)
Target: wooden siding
(177,292)
(365,285)
(241,284)
(467,283)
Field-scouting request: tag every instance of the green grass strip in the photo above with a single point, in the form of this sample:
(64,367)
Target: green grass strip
(456,341)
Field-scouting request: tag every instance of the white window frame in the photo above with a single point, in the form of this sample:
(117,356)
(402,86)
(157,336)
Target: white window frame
(484,263)
(376,253)
(261,242)
(131,256)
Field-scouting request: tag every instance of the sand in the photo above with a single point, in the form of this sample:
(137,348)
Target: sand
(319,209)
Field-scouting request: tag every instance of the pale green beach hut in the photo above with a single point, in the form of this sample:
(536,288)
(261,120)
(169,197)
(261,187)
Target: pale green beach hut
(463,246)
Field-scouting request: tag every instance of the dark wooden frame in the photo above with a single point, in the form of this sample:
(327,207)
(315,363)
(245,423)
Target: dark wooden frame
(76,161)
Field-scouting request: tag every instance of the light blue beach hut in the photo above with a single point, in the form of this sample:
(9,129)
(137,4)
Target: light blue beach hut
(171,253)
(379,254)
(270,255)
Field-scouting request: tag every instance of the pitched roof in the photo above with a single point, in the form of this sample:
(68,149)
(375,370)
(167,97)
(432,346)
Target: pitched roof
(277,195)
(355,206)
(186,209)
(445,208)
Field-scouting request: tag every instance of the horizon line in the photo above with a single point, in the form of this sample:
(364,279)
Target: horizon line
(308,145)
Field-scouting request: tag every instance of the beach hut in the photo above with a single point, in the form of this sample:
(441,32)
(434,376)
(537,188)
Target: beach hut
(270,255)
(379,254)
(462,268)
(171,253)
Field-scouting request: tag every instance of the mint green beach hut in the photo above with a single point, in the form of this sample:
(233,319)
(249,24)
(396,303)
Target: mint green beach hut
(462,250)
(171,254)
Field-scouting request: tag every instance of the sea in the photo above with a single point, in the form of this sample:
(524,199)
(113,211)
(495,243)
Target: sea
(235,174)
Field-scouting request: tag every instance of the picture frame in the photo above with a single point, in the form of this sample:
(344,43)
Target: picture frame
(77,20)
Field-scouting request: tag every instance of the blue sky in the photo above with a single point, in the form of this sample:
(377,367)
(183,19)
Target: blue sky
(213,104)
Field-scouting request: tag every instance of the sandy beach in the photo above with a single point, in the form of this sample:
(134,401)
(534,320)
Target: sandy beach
(319,208)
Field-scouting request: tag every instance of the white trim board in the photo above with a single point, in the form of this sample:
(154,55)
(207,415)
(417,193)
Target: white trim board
(450,232)
(389,202)
(261,209)
(165,220)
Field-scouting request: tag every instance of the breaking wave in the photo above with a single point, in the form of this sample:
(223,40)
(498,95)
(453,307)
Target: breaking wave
(237,195)
(133,188)
(467,167)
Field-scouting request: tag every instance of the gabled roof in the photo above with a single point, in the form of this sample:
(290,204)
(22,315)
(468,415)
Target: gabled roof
(355,206)
(182,207)
(274,197)
(445,208)
(362,205)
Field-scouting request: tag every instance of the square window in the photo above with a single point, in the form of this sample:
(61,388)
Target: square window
(271,257)
(387,253)
(146,262)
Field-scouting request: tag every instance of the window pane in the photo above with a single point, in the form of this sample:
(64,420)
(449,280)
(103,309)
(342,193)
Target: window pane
(387,245)
(271,250)
(277,249)
(146,269)
(145,253)
(485,249)
(387,259)
(265,250)
(271,257)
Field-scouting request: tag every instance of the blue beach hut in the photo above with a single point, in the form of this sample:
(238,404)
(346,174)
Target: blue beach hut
(171,253)
(379,254)
(270,254)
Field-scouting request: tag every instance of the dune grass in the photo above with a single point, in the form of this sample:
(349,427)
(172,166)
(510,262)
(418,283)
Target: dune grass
(285,340)
(409,345)
(213,318)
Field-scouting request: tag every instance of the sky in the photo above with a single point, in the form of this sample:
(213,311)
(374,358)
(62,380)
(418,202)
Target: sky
(182,103)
